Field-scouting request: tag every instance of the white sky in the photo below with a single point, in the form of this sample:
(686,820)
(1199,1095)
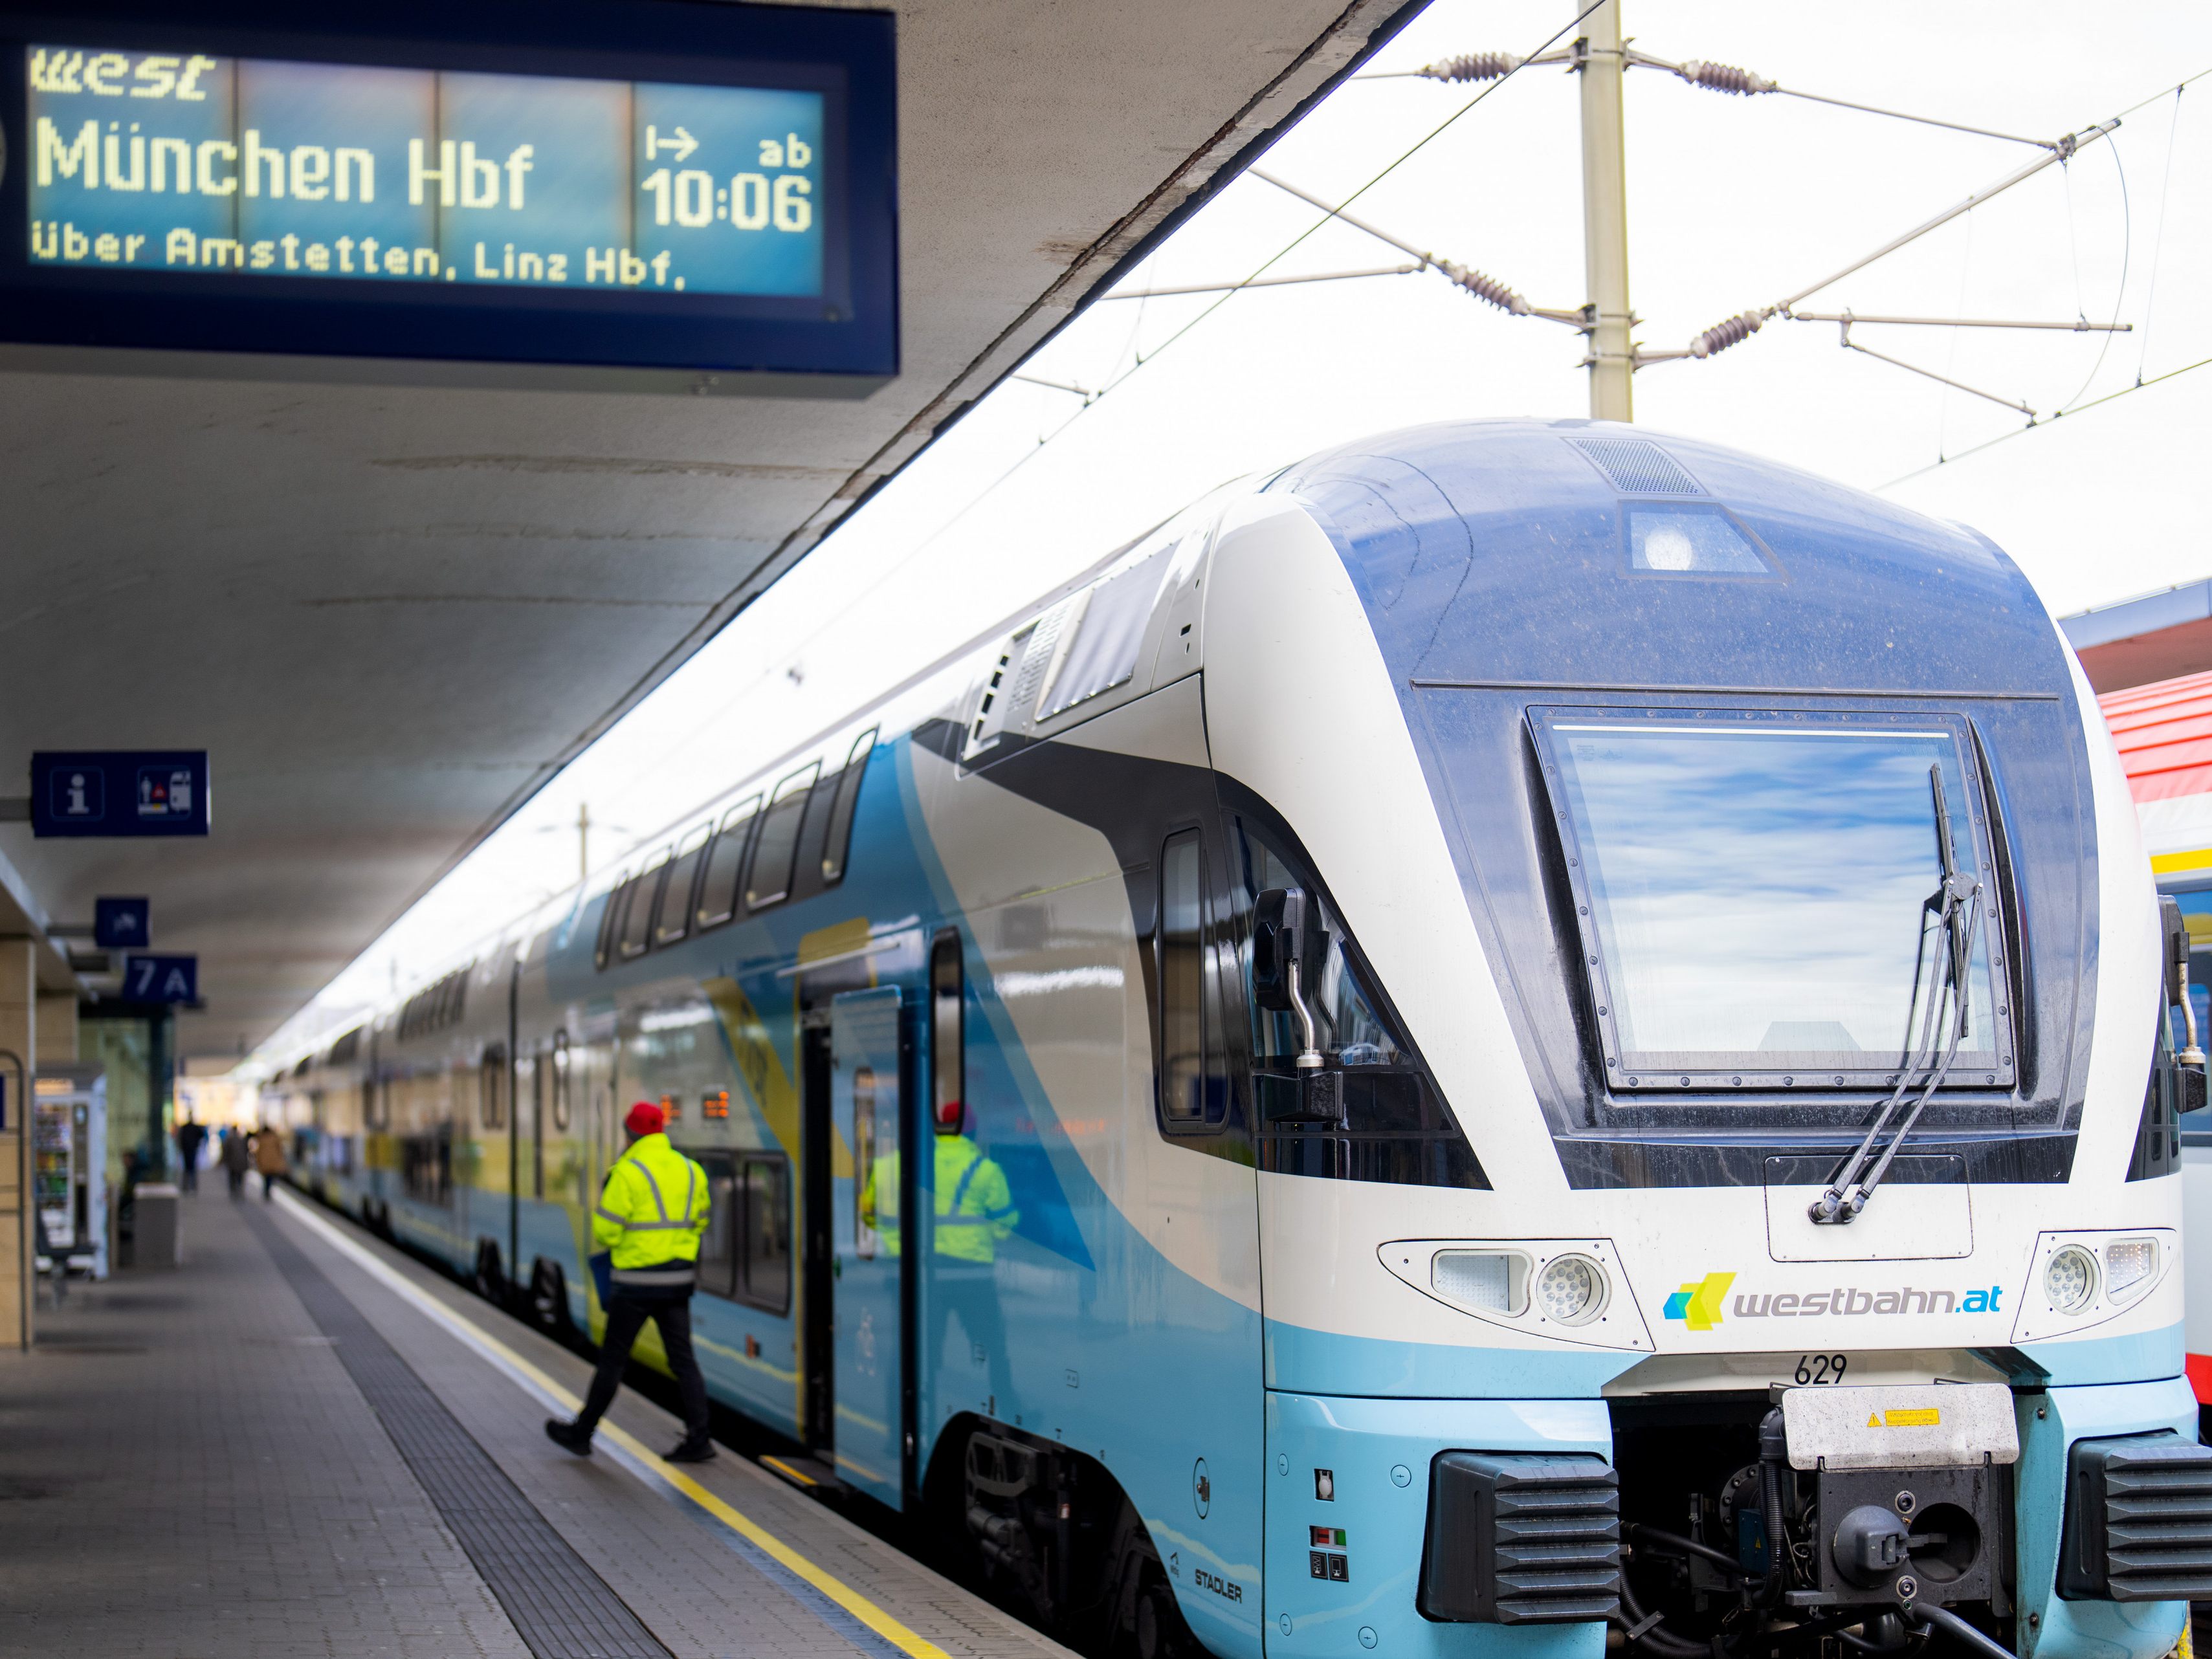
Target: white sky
(1733,203)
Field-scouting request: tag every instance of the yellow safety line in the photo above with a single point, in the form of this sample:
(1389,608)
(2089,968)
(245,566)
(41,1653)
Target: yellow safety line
(646,1463)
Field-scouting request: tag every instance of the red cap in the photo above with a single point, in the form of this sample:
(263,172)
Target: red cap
(645,1119)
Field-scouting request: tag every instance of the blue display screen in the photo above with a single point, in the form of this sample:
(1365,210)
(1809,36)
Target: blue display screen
(194,164)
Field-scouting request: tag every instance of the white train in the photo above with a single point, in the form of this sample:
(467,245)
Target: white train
(1519,1038)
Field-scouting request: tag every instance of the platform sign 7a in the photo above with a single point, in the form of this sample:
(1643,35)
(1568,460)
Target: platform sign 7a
(129,792)
(161,979)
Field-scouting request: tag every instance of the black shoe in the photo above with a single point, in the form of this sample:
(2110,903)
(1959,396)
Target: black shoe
(569,1438)
(692,1450)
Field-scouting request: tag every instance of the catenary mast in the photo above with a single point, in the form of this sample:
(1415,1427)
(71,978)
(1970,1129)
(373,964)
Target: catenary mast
(1612,360)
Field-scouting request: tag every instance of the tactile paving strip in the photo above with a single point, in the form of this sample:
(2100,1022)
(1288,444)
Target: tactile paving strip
(559,1607)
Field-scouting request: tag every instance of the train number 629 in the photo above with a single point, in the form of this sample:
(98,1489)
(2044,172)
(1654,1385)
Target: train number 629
(1816,1367)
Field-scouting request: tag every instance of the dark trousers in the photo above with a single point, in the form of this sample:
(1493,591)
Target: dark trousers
(627,1311)
(968,1290)
(237,1179)
(268,1188)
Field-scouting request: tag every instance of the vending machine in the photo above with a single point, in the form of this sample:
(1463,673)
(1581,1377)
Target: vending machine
(69,1165)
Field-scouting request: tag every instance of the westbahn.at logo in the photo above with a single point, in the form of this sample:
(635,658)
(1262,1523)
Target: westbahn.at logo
(1698,1305)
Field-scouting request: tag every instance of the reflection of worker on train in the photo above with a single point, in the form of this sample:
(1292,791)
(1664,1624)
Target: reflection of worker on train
(974,1209)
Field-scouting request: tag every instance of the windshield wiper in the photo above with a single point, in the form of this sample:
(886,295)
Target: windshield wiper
(1956,904)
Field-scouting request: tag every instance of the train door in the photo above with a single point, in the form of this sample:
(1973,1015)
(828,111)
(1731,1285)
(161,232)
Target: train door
(817,1305)
(868,1362)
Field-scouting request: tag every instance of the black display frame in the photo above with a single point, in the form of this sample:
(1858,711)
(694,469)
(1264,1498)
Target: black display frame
(850,334)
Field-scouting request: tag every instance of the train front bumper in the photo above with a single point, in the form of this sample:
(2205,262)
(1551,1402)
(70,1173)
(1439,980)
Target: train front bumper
(1348,1516)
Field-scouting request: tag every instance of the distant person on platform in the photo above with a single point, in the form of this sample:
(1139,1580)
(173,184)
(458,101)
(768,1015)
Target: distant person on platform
(234,1159)
(649,1219)
(191,1137)
(269,1159)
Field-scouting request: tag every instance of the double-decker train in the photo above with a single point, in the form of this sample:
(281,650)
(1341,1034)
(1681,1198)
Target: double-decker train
(1519,1038)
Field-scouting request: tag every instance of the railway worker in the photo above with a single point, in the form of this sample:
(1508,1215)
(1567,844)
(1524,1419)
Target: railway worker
(650,1217)
(974,1209)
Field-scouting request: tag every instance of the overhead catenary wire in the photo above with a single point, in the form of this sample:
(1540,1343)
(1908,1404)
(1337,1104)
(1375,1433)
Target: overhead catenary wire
(2158,246)
(1114,382)
(2120,289)
(1259,282)
(2044,425)
(1117,381)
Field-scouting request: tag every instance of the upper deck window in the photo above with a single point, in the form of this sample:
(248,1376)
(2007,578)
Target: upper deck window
(775,849)
(1752,889)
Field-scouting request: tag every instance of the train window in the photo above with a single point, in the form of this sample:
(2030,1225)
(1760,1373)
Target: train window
(838,843)
(636,936)
(672,917)
(764,1272)
(491,1088)
(1193,1082)
(870,1203)
(560,1074)
(540,1068)
(1697,963)
(726,862)
(948,1054)
(1687,540)
(1400,1128)
(718,1255)
(610,921)
(775,849)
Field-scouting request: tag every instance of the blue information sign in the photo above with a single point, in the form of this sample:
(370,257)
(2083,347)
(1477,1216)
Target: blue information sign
(636,184)
(122,924)
(153,792)
(161,979)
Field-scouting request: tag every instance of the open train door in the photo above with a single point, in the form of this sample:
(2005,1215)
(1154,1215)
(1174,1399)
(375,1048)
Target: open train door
(866,1107)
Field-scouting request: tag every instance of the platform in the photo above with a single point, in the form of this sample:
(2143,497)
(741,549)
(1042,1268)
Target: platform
(303,1443)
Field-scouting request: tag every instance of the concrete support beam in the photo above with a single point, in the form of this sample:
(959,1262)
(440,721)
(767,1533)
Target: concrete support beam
(19,1045)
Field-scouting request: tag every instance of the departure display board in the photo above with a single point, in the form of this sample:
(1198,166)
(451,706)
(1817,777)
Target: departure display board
(193,162)
(728,206)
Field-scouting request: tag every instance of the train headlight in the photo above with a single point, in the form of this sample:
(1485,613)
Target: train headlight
(1496,1281)
(1571,1289)
(2070,1279)
(2130,1266)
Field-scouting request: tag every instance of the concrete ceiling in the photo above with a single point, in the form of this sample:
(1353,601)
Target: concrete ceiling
(391,613)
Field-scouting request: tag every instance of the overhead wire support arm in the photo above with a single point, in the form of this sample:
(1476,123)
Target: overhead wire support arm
(1474,282)
(1746,84)
(2064,150)
(2078,326)
(1743,325)
(1849,344)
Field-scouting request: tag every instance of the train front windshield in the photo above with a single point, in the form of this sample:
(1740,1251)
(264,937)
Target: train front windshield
(1753,893)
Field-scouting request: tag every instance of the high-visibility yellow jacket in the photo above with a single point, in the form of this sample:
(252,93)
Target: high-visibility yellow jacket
(651,1214)
(973,1204)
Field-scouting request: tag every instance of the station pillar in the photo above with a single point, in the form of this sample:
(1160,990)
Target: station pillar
(19,1049)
